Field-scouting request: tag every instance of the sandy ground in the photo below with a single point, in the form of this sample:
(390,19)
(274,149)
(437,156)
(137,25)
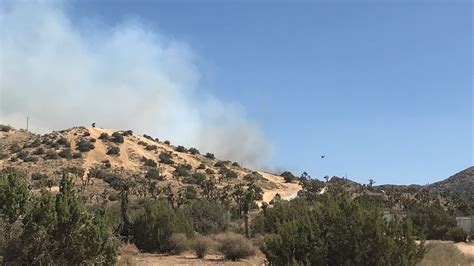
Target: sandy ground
(185,259)
(466,248)
(286,190)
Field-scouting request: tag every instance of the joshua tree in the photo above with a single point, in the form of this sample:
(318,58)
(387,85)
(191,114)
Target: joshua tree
(371,182)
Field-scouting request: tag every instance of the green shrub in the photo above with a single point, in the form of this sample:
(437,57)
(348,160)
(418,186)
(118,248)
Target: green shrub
(335,231)
(167,142)
(84,145)
(181,149)
(210,156)
(288,177)
(5,128)
(432,222)
(181,171)
(65,153)
(208,217)
(457,234)
(104,136)
(151,163)
(166,158)
(113,150)
(153,173)
(151,147)
(51,155)
(22,154)
(234,246)
(31,159)
(227,174)
(154,225)
(38,176)
(193,151)
(202,245)
(64,142)
(219,164)
(39,151)
(117,137)
(59,230)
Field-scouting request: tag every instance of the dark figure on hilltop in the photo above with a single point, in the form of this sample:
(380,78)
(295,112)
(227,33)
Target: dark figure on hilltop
(93,124)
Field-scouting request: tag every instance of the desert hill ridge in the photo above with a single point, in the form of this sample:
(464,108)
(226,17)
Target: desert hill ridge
(91,148)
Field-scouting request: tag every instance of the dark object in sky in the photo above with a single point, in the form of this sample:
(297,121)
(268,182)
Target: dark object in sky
(323,156)
(93,124)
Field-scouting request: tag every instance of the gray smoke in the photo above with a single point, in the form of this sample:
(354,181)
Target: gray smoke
(126,76)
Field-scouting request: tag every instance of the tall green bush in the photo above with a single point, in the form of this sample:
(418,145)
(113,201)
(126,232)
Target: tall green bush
(154,225)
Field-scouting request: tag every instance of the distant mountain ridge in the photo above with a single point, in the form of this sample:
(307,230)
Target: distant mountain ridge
(461,182)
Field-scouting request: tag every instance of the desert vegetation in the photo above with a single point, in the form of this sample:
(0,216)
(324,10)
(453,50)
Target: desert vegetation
(203,206)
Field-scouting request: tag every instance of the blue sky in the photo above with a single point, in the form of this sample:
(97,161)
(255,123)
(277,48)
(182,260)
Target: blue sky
(383,89)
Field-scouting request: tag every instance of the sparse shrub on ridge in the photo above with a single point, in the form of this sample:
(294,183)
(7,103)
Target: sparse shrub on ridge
(128,133)
(113,150)
(166,158)
(77,155)
(147,136)
(39,151)
(151,147)
(167,142)
(153,173)
(31,159)
(65,153)
(64,142)
(84,145)
(151,163)
(210,156)
(181,171)
(288,177)
(104,136)
(117,137)
(181,149)
(201,167)
(193,151)
(51,155)
(5,128)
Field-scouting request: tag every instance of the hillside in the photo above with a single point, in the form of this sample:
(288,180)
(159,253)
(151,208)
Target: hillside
(94,155)
(462,183)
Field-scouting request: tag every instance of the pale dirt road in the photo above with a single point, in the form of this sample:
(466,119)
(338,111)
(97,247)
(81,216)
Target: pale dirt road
(286,190)
(466,248)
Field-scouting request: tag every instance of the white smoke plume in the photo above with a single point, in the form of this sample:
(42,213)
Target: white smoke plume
(125,76)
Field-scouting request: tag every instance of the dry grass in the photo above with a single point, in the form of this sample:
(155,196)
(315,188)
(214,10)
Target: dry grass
(441,253)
